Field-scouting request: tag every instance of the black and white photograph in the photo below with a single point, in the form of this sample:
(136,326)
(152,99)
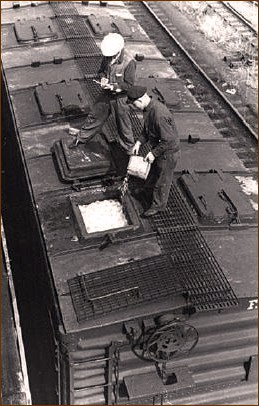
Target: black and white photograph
(129,221)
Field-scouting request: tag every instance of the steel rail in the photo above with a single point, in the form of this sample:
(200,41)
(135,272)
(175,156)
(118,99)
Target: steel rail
(239,16)
(203,73)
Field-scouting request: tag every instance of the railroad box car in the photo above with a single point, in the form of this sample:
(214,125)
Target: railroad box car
(150,312)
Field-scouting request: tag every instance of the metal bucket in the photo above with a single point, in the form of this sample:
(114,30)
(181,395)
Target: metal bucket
(138,167)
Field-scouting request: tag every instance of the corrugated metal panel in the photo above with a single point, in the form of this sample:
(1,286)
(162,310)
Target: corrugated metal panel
(218,364)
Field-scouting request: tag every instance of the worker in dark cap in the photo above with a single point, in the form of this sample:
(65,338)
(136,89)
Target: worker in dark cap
(159,129)
(116,76)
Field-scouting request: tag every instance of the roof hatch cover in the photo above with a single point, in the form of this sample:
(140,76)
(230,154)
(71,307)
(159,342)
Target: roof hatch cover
(217,198)
(34,30)
(109,24)
(84,162)
(61,98)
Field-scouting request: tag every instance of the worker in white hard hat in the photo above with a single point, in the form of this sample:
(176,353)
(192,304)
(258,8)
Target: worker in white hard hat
(116,76)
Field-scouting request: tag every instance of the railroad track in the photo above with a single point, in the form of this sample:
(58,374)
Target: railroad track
(236,122)
(235,19)
(239,23)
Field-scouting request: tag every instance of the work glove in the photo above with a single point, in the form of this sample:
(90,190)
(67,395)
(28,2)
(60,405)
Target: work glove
(149,158)
(135,149)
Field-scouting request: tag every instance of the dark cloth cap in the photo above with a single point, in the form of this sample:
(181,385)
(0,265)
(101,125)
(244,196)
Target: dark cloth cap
(135,92)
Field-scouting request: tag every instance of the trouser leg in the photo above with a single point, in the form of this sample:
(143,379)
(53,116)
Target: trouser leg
(96,118)
(165,166)
(99,114)
(151,180)
(122,116)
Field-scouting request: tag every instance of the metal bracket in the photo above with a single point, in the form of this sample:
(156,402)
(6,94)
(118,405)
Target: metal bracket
(35,64)
(192,139)
(219,172)
(108,240)
(57,60)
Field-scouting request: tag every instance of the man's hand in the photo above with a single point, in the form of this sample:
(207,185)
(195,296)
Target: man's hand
(135,149)
(149,158)
(104,82)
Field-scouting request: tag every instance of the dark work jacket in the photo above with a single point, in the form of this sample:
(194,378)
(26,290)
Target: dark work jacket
(122,73)
(159,129)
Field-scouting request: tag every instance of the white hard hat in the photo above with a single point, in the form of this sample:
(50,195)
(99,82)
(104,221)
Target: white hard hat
(112,44)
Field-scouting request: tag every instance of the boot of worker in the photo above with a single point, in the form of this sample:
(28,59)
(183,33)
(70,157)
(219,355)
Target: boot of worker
(160,195)
(91,122)
(83,137)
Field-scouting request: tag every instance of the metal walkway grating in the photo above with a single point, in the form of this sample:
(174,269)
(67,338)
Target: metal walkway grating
(89,66)
(93,88)
(200,272)
(70,21)
(73,27)
(177,214)
(115,288)
(80,40)
(84,47)
(201,275)
(64,8)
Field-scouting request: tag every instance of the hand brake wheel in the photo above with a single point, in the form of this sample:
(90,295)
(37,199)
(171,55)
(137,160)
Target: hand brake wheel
(171,340)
